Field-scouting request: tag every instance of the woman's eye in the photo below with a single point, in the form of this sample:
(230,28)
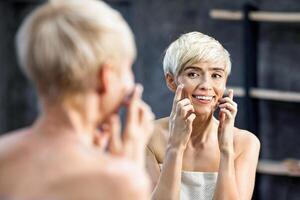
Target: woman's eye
(192,75)
(217,76)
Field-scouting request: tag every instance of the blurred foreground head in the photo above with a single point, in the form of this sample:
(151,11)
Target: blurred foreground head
(63,45)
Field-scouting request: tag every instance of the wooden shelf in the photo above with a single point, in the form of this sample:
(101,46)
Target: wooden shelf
(278,168)
(267,94)
(275,95)
(260,16)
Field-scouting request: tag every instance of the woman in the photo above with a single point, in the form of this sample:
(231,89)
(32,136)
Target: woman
(79,56)
(193,155)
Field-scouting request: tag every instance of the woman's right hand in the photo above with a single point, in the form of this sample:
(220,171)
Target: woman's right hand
(139,126)
(137,131)
(181,120)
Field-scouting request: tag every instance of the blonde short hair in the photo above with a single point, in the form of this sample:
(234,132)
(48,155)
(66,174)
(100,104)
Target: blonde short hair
(191,48)
(63,43)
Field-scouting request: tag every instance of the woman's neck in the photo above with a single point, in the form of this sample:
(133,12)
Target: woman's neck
(202,129)
(70,117)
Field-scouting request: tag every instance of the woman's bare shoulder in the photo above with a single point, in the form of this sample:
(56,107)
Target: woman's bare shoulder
(161,124)
(245,141)
(245,136)
(159,139)
(12,142)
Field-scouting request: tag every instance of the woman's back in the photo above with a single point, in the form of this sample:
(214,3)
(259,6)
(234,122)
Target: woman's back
(32,163)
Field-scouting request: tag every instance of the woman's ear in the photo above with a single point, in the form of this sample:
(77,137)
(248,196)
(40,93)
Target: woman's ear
(170,79)
(103,79)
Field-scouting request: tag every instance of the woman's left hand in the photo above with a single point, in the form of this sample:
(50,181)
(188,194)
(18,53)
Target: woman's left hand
(227,114)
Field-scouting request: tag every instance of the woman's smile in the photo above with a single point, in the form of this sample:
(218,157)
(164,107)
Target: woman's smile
(203,99)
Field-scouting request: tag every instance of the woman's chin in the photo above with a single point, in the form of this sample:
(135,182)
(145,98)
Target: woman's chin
(203,112)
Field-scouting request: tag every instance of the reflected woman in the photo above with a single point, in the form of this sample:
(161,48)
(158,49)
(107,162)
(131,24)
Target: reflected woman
(193,155)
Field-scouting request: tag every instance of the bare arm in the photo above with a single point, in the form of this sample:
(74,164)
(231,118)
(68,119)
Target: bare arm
(167,183)
(236,177)
(226,187)
(180,128)
(245,166)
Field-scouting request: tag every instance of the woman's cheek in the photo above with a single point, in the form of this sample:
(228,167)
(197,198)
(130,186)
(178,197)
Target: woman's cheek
(179,81)
(219,95)
(221,89)
(128,82)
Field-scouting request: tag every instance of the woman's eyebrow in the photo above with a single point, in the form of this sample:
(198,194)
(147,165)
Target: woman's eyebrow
(192,67)
(217,69)
(200,69)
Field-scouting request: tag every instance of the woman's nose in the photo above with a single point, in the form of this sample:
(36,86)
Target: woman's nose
(204,83)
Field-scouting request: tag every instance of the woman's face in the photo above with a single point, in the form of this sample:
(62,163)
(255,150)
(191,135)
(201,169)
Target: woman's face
(204,84)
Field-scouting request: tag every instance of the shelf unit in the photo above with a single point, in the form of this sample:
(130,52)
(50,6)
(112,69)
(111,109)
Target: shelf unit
(250,16)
